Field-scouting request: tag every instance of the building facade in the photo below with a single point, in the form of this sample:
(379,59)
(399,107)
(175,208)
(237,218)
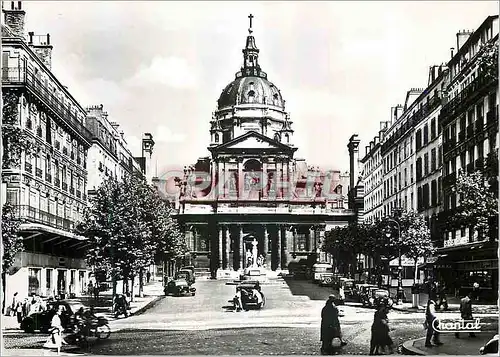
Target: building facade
(48,188)
(469,120)
(252,196)
(109,156)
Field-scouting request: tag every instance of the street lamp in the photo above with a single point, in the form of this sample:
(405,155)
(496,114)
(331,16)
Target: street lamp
(399,293)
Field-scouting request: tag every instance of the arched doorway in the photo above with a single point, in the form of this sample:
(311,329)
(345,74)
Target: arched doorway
(252,176)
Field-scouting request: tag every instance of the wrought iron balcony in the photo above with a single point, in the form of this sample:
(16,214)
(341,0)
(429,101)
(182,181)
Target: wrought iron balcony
(19,75)
(32,214)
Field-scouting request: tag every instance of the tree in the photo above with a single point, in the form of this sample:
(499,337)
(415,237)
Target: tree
(488,60)
(15,141)
(12,243)
(415,238)
(477,202)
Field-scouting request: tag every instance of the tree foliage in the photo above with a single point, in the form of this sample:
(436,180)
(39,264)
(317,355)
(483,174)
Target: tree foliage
(477,202)
(15,141)
(12,241)
(488,60)
(128,225)
(379,240)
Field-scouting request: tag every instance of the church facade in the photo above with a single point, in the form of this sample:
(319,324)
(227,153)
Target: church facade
(252,196)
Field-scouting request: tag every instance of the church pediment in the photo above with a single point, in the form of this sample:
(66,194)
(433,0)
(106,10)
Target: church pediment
(253,141)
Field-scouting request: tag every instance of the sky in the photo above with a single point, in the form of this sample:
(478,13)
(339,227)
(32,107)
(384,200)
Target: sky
(160,66)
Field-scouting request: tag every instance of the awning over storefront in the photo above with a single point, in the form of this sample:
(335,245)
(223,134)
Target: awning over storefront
(46,237)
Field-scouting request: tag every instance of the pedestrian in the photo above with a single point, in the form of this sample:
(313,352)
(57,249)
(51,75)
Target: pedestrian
(13,306)
(238,304)
(330,326)
(19,311)
(466,312)
(431,322)
(55,339)
(148,276)
(475,289)
(441,294)
(433,286)
(380,332)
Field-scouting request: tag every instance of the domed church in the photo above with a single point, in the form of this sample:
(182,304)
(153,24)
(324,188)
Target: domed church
(252,203)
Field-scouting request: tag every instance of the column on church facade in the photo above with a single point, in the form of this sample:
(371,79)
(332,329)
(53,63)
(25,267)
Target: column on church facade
(285,178)
(240,245)
(240,178)
(265,247)
(289,242)
(279,171)
(213,176)
(220,230)
(278,248)
(264,178)
(226,177)
(220,183)
(228,264)
(312,233)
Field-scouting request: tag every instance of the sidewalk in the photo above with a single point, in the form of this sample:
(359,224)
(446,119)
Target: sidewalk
(152,293)
(451,345)
(38,352)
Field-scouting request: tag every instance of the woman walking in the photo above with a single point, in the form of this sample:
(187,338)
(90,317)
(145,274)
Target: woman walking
(330,326)
(55,339)
(380,332)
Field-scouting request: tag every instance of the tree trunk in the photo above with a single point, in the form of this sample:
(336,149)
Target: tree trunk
(141,283)
(132,288)
(4,288)
(114,288)
(416,272)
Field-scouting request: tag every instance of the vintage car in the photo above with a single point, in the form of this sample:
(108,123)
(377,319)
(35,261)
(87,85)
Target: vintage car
(375,297)
(347,285)
(248,298)
(191,268)
(41,320)
(360,290)
(186,274)
(179,287)
(490,348)
(321,271)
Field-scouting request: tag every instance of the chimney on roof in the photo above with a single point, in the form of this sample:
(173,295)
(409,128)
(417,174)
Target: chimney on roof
(40,44)
(451,50)
(462,37)
(14,18)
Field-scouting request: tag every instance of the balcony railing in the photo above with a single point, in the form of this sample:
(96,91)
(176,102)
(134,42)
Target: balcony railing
(38,172)
(23,76)
(48,177)
(35,215)
(467,94)
(28,167)
(65,186)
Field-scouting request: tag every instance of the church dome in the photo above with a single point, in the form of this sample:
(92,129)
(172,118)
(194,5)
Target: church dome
(248,90)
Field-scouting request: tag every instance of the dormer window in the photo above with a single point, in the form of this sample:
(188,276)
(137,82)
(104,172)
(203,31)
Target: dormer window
(275,99)
(251,96)
(216,137)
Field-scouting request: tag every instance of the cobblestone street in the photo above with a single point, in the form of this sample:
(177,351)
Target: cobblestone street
(204,324)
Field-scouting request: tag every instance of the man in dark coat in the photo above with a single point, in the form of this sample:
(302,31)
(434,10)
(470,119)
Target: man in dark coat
(466,312)
(380,332)
(330,326)
(432,320)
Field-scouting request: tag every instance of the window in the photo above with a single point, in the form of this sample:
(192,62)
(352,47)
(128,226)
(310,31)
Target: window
(419,198)
(433,193)
(406,176)
(426,134)
(418,139)
(440,156)
(433,128)
(411,173)
(439,190)
(425,194)
(433,160)
(419,168)
(34,278)
(216,137)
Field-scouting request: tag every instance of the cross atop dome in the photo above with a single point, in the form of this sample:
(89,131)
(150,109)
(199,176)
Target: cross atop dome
(251,55)
(250,28)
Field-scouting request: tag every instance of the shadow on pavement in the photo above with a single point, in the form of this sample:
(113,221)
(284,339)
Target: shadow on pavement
(307,288)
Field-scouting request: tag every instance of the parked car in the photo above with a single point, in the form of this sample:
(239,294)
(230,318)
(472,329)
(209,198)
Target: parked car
(300,269)
(367,296)
(375,297)
(41,320)
(248,299)
(348,286)
(490,348)
(186,274)
(190,267)
(321,269)
(179,287)
(360,290)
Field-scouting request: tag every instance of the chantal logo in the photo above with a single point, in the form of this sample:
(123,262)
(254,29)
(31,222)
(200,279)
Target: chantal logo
(460,325)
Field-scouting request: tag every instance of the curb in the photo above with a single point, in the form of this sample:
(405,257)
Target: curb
(409,349)
(148,305)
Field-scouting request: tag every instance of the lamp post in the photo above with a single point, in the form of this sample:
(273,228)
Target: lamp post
(399,293)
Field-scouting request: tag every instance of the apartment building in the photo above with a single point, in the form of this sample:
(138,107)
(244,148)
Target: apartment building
(109,155)
(48,187)
(469,121)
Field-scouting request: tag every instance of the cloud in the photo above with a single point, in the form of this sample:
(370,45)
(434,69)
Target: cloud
(172,72)
(166,135)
